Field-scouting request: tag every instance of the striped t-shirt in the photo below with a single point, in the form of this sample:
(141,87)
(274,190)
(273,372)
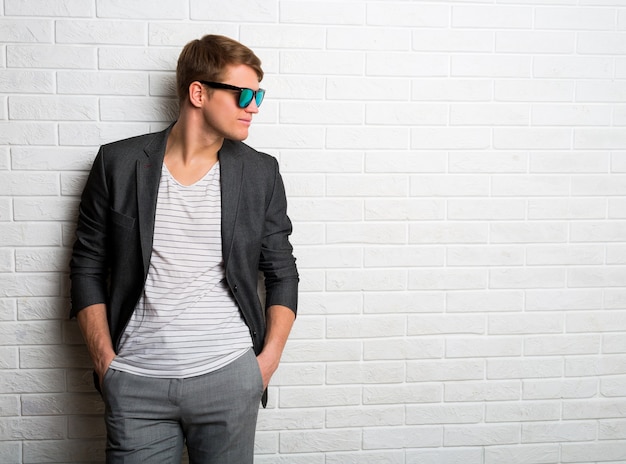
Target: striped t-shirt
(187,322)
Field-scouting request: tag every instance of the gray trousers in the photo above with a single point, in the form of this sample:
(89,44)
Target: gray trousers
(151,419)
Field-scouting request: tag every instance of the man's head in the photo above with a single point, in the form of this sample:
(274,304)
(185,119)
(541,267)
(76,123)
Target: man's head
(206,59)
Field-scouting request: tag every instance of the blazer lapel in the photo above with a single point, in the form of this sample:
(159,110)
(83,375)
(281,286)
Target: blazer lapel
(231,175)
(148,178)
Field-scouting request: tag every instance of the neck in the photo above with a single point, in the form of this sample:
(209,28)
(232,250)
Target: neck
(189,143)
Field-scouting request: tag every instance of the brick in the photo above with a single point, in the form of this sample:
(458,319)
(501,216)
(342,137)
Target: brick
(9,358)
(60,8)
(481,347)
(137,58)
(585,366)
(323,350)
(32,381)
(365,373)
(565,67)
(538,454)
(402,437)
(27,133)
(376,138)
(102,83)
(535,90)
(406,113)
(290,374)
(404,302)
(520,324)
(331,303)
(485,301)
(565,254)
(388,457)
(326,112)
(42,260)
(402,393)
(547,232)
(523,412)
(321,62)
(11,452)
(401,64)
(450,138)
(26,31)
(446,279)
(459,455)
(320,440)
(371,185)
(309,12)
(524,368)
(450,40)
(564,300)
(481,435)
(404,209)
(435,324)
(53,108)
(472,391)
(483,16)
(447,233)
(373,280)
(307,397)
(492,114)
(536,42)
(573,115)
(559,389)
(444,414)
(436,371)
(398,161)
(574,18)
(408,14)
(366,38)
(81,134)
(49,451)
(366,233)
(612,430)
(32,428)
(601,91)
(142,9)
(502,66)
(405,348)
(100,32)
(491,209)
(376,89)
(491,162)
(527,278)
(484,255)
(51,56)
(308,161)
(138,109)
(402,256)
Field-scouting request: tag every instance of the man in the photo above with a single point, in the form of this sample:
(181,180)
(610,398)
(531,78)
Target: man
(173,230)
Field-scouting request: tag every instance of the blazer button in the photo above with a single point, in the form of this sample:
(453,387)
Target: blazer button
(235,288)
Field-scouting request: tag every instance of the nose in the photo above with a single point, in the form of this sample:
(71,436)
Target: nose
(252,107)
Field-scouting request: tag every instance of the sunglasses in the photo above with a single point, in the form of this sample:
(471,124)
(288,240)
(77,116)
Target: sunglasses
(245,95)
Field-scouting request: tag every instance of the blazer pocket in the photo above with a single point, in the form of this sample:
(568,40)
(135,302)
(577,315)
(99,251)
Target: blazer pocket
(119,219)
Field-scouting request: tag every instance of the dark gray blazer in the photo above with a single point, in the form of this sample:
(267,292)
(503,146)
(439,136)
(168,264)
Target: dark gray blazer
(113,245)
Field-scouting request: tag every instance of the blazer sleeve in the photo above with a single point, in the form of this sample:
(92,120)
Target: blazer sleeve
(88,265)
(277,262)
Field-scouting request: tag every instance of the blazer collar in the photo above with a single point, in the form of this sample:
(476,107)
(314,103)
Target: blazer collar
(148,177)
(231,175)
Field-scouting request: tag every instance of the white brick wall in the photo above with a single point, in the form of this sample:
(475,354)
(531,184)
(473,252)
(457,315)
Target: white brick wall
(457,178)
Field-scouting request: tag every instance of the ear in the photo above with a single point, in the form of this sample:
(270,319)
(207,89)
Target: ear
(196,94)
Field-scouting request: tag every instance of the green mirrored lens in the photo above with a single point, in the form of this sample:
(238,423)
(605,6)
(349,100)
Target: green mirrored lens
(245,97)
(260,94)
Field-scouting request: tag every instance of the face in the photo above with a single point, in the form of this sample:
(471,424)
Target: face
(221,113)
